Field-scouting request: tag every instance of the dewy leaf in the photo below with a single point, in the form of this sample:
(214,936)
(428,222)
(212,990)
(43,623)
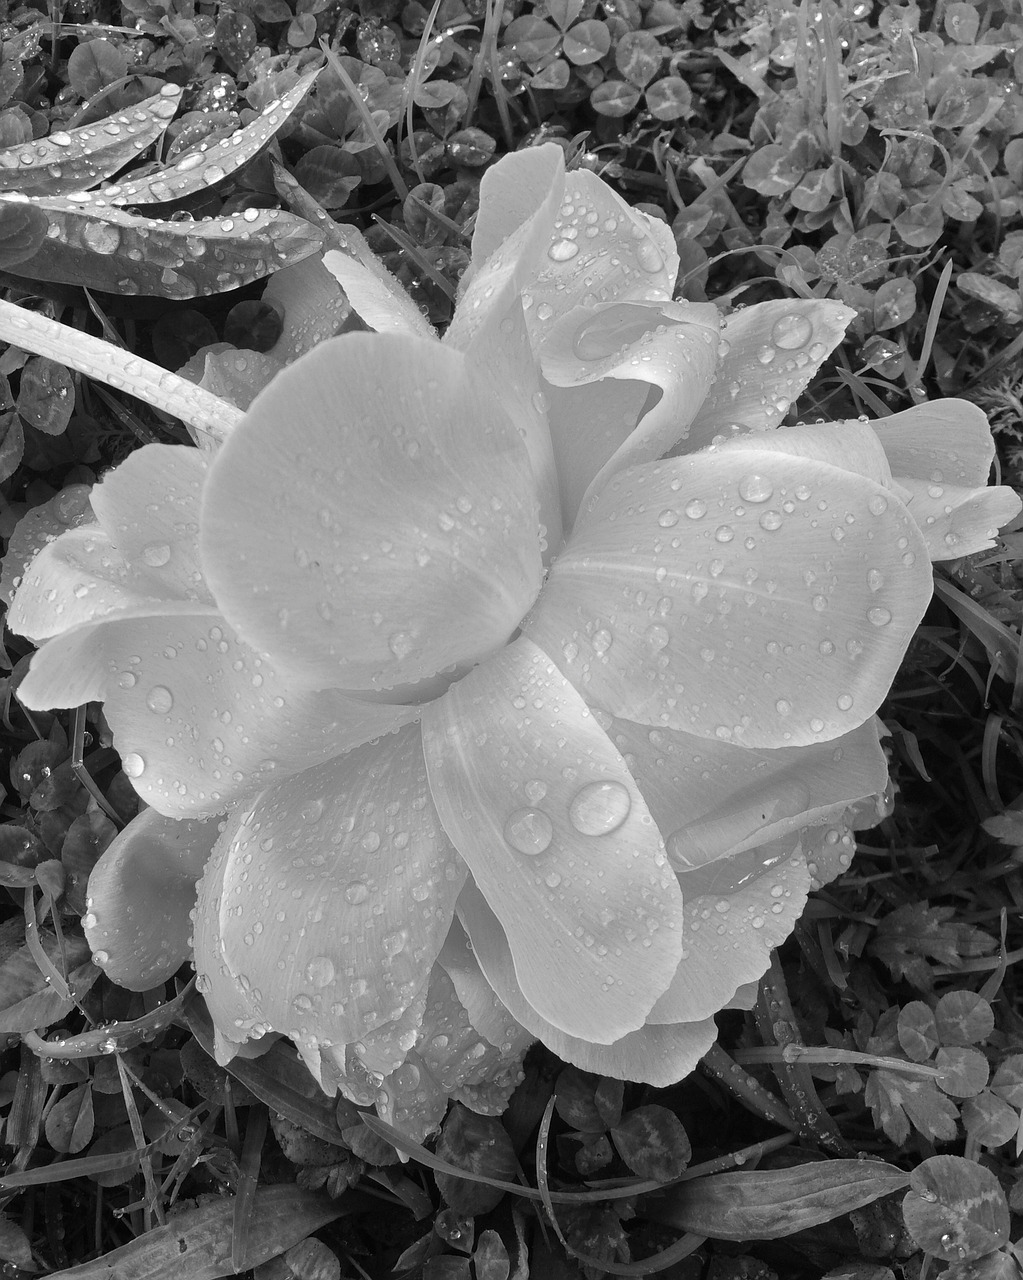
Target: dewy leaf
(75,159)
(210,162)
(104,248)
(22,231)
(956,1209)
(773,1203)
(207,416)
(196,1244)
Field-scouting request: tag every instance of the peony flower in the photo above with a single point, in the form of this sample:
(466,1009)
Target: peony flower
(514,685)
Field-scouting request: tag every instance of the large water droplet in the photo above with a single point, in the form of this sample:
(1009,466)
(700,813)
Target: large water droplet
(356,893)
(599,808)
(879,616)
(791,331)
(400,644)
(755,488)
(133,765)
(648,256)
(562,251)
(156,554)
(159,699)
(529,831)
(696,509)
(320,971)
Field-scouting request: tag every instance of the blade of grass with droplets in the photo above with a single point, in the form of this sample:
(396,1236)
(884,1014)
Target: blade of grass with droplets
(207,415)
(74,159)
(104,248)
(196,1244)
(210,162)
(366,116)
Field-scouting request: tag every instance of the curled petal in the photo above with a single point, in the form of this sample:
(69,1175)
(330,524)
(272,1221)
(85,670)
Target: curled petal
(750,596)
(736,911)
(378,296)
(670,346)
(828,849)
(712,799)
(658,1054)
(772,350)
(402,497)
(200,719)
(850,446)
(233,375)
(331,900)
(543,809)
(141,894)
(942,453)
(511,193)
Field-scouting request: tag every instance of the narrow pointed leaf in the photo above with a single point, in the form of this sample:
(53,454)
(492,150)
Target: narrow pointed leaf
(104,248)
(210,162)
(770,1204)
(75,159)
(196,1244)
(206,414)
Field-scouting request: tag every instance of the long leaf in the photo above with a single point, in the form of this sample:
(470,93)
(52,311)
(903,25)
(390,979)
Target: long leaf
(74,159)
(196,1245)
(772,1203)
(209,417)
(102,247)
(210,162)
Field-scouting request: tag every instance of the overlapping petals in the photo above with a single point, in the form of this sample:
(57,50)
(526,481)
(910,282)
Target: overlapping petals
(533,669)
(412,508)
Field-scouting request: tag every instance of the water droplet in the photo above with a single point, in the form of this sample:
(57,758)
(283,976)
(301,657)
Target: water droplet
(755,488)
(562,251)
(791,332)
(320,971)
(535,790)
(133,764)
(877,505)
(668,518)
(766,354)
(159,699)
(400,644)
(529,831)
(156,555)
(724,533)
(875,579)
(602,641)
(127,680)
(101,237)
(696,509)
(356,893)
(770,521)
(648,257)
(878,616)
(845,702)
(599,808)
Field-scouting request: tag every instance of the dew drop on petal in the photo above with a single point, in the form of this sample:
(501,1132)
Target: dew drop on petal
(562,251)
(529,831)
(320,971)
(599,808)
(754,488)
(791,332)
(400,644)
(770,521)
(356,893)
(156,554)
(133,764)
(879,616)
(648,256)
(159,699)
(668,518)
(696,509)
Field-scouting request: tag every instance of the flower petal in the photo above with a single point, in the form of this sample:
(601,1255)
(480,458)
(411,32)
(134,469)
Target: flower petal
(489,325)
(334,897)
(404,535)
(668,345)
(737,911)
(543,809)
(378,296)
(313,306)
(233,375)
(774,349)
(712,799)
(829,850)
(850,446)
(200,719)
(511,192)
(141,895)
(38,527)
(656,1054)
(942,453)
(149,505)
(750,596)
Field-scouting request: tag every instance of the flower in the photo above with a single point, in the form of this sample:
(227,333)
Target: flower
(544,637)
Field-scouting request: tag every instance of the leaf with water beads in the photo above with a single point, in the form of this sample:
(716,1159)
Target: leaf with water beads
(211,162)
(956,1209)
(100,247)
(76,159)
